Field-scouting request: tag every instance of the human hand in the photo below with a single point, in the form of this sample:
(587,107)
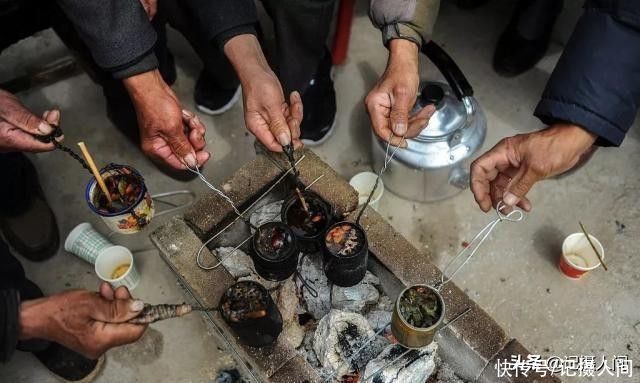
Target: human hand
(168,133)
(17,125)
(151,7)
(267,114)
(390,102)
(509,170)
(86,322)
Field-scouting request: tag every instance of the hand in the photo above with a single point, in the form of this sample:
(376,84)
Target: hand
(17,124)
(508,171)
(390,102)
(86,322)
(168,133)
(151,7)
(266,112)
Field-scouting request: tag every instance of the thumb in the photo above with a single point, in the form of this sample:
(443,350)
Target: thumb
(117,310)
(180,146)
(17,115)
(401,105)
(519,186)
(279,127)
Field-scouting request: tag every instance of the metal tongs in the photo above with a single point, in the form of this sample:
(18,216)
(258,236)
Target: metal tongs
(288,151)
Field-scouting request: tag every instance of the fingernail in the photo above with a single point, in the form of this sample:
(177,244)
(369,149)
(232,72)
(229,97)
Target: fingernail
(186,113)
(54,115)
(283,139)
(510,199)
(137,305)
(45,128)
(190,159)
(400,129)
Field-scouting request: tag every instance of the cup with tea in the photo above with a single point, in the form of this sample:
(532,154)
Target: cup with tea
(115,265)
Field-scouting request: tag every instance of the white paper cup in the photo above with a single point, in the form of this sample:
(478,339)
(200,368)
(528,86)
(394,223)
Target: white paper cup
(363,183)
(85,242)
(578,256)
(112,258)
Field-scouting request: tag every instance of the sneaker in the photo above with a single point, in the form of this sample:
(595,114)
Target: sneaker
(515,53)
(470,4)
(211,99)
(26,219)
(68,364)
(319,100)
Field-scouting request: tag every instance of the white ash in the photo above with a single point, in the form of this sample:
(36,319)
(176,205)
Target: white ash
(269,285)
(238,264)
(378,319)
(307,350)
(287,301)
(416,366)
(311,271)
(342,342)
(385,304)
(445,373)
(355,298)
(266,213)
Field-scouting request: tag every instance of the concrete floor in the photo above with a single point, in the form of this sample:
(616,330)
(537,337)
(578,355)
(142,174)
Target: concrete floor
(514,277)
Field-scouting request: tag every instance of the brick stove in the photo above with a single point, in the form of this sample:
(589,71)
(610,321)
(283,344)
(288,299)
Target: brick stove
(470,345)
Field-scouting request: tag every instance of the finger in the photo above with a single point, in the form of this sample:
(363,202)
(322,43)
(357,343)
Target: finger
(116,311)
(53,117)
(202,157)
(181,147)
(401,104)
(106,291)
(419,121)
(267,139)
(278,126)
(17,115)
(520,185)
(122,293)
(296,114)
(297,144)
(19,140)
(483,171)
(193,122)
(197,140)
(379,110)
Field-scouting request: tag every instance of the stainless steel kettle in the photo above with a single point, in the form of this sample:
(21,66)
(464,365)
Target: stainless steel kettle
(435,164)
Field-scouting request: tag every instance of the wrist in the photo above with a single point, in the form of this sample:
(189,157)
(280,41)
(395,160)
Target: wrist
(31,320)
(140,85)
(578,135)
(246,56)
(402,51)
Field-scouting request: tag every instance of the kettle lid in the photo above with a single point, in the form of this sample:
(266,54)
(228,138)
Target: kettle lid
(451,114)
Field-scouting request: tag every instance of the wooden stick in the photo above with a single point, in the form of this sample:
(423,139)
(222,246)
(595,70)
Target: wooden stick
(94,170)
(593,246)
(302,201)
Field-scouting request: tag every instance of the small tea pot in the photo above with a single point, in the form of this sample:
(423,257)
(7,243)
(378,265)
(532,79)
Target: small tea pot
(435,164)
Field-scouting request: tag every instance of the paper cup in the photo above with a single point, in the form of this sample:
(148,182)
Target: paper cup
(132,219)
(85,242)
(109,260)
(578,257)
(363,183)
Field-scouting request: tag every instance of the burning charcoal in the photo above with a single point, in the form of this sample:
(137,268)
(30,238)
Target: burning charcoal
(416,366)
(420,307)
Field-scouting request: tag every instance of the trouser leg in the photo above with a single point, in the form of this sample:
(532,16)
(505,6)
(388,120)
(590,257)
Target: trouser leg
(302,29)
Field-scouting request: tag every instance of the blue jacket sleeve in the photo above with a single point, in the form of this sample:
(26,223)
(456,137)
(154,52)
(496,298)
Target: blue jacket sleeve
(596,83)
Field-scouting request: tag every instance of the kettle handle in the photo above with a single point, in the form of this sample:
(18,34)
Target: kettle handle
(449,69)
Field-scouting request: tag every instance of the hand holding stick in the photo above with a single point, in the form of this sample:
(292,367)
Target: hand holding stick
(94,170)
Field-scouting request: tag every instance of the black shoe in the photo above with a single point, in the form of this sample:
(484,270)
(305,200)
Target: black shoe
(526,39)
(211,99)
(319,100)
(68,364)
(26,219)
(470,4)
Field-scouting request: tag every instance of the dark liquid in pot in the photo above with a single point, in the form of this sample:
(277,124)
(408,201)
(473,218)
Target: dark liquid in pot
(124,190)
(273,242)
(307,224)
(420,307)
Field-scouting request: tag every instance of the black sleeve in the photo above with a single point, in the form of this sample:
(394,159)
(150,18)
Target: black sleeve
(220,20)
(117,32)
(596,83)
(9,310)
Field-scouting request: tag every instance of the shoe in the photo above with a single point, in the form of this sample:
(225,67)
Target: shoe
(515,53)
(68,364)
(319,100)
(212,100)
(470,4)
(27,221)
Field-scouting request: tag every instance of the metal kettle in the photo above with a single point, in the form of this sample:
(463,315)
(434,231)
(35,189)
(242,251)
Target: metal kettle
(435,164)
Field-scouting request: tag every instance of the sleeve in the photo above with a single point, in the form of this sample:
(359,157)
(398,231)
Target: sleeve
(220,20)
(404,19)
(117,32)
(9,314)
(596,83)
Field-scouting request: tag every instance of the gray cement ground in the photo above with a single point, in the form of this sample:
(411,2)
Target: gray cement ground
(514,277)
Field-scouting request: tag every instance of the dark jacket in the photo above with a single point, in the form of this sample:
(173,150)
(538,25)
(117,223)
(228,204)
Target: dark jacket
(121,39)
(596,83)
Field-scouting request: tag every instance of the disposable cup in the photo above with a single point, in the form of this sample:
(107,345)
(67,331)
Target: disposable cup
(363,183)
(578,256)
(85,242)
(111,259)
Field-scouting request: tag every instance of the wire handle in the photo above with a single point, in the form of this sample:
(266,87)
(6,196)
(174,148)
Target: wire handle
(515,215)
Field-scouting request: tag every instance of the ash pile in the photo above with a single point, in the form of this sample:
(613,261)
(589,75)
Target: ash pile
(343,332)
